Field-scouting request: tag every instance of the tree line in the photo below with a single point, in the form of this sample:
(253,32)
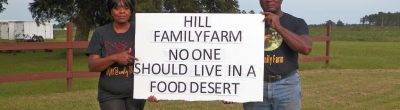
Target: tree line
(1,5)
(379,19)
(382,19)
(89,14)
(188,6)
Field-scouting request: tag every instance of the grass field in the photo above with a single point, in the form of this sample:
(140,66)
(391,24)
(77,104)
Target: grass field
(364,74)
(323,89)
(345,55)
(358,55)
(358,33)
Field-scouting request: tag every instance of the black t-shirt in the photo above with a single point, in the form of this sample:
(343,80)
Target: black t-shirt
(117,80)
(279,58)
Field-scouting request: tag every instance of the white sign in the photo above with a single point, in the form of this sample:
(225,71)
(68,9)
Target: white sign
(199,57)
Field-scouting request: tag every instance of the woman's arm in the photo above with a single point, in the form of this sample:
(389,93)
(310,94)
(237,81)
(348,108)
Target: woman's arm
(98,64)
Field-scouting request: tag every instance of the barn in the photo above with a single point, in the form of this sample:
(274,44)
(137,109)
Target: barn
(24,29)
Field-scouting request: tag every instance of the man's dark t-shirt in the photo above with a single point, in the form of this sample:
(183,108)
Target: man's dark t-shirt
(117,80)
(279,58)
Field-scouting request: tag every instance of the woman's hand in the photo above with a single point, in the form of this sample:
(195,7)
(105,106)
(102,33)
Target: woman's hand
(227,102)
(152,99)
(124,57)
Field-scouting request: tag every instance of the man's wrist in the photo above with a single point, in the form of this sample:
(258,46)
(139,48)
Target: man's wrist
(279,28)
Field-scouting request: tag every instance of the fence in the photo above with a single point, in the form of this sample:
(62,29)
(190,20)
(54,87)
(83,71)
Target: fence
(69,74)
(327,39)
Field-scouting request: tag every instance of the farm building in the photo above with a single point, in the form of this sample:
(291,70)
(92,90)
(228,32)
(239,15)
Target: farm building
(24,29)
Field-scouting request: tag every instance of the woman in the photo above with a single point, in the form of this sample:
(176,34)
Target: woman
(111,53)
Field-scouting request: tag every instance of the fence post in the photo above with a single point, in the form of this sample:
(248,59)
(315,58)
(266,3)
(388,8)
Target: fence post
(328,43)
(69,55)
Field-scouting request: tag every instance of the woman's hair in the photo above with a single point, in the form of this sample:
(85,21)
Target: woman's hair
(113,3)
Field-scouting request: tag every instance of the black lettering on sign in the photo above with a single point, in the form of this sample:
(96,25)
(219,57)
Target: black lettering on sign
(194,54)
(196,21)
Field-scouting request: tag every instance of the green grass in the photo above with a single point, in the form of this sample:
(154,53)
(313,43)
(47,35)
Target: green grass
(349,33)
(327,89)
(345,55)
(357,55)
(42,87)
(363,75)
(351,89)
(359,33)
(26,62)
(58,36)
(61,36)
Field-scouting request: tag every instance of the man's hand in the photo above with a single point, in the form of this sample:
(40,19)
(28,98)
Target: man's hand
(272,19)
(124,57)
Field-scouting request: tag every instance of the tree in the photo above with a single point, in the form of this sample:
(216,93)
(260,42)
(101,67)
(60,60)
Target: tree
(84,16)
(200,6)
(339,23)
(330,22)
(244,12)
(1,5)
(153,6)
(182,6)
(363,20)
(220,6)
(252,12)
(88,14)
(382,19)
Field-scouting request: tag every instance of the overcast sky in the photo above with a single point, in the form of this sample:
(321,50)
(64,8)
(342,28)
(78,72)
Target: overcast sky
(319,11)
(313,11)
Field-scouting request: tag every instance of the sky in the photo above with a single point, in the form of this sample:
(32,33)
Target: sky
(312,11)
(319,11)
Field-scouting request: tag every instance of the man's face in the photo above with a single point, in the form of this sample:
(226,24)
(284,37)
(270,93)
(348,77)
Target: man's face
(121,13)
(271,5)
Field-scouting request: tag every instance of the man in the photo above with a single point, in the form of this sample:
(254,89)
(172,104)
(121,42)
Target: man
(285,37)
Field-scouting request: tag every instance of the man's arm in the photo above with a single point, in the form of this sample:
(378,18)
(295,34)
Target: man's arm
(298,43)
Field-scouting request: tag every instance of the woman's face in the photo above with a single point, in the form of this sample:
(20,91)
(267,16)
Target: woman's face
(121,13)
